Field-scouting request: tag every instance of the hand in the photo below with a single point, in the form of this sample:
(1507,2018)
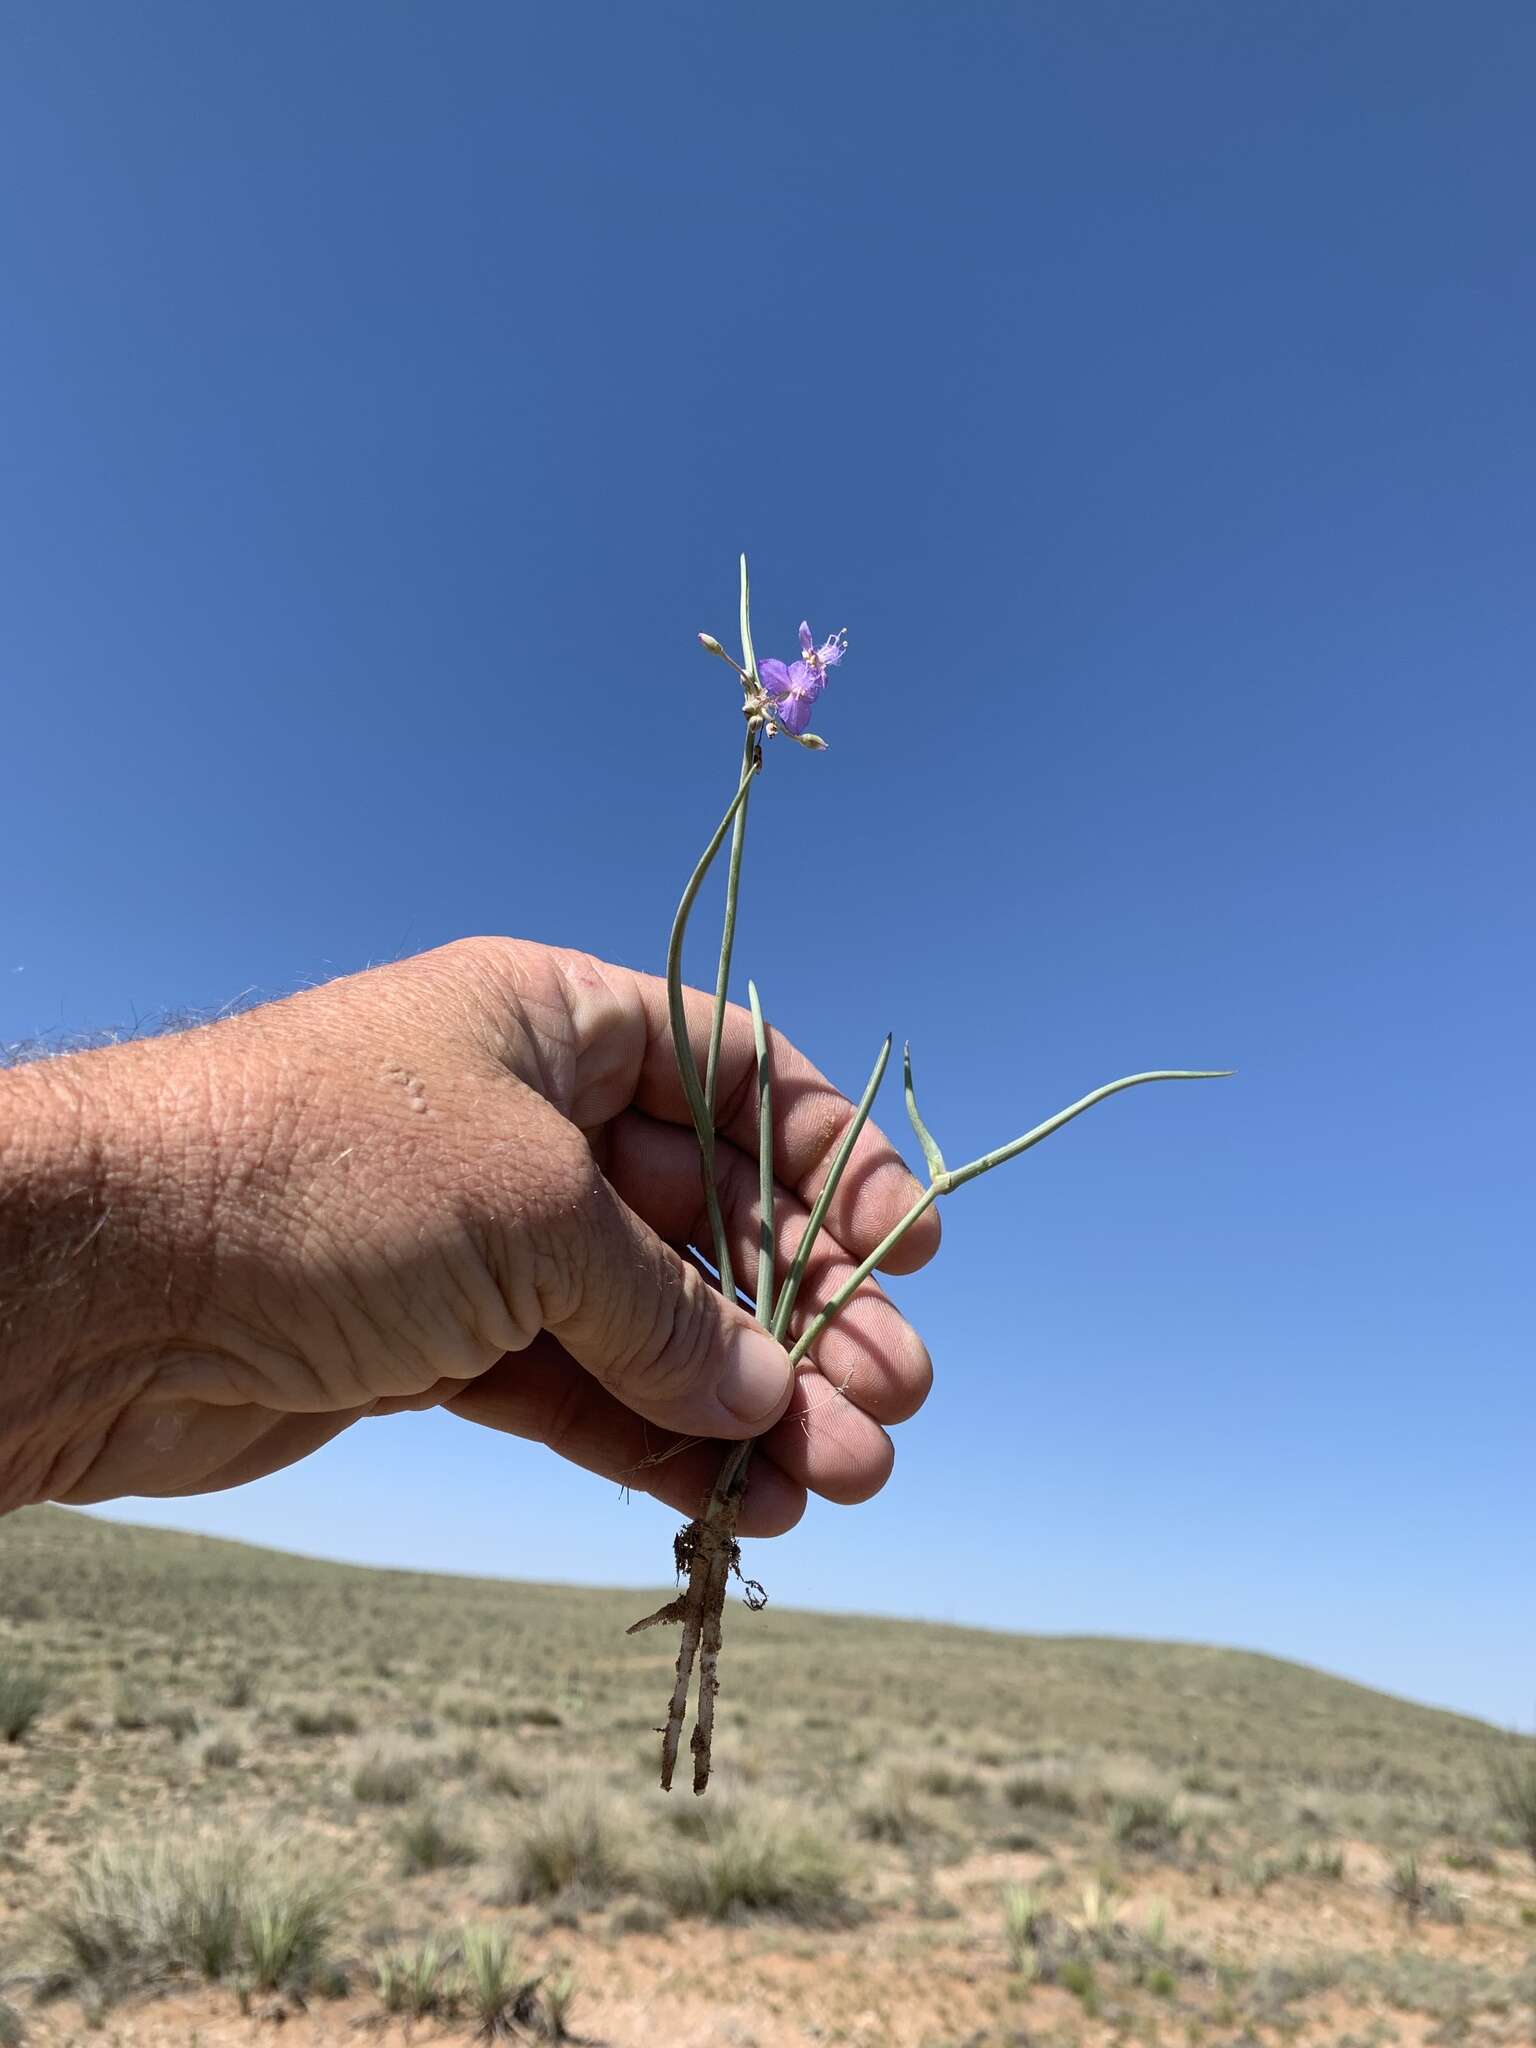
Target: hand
(465,1180)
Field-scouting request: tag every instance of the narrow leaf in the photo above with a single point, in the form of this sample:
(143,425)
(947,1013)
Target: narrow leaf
(687,1066)
(748,658)
(931,1152)
(765,1245)
(796,1273)
(1053,1124)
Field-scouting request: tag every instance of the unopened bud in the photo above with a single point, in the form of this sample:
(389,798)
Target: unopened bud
(812,740)
(712,646)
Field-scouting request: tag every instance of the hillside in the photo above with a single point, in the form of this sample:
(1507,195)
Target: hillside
(1084,1836)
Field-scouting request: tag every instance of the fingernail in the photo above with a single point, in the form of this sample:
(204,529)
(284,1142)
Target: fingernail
(756,1376)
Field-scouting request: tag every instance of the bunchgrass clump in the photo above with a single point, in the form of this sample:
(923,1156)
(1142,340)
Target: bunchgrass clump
(239,1690)
(23,1695)
(940,1782)
(555,2003)
(285,1928)
(1021,1920)
(1031,1789)
(1146,1824)
(386,1781)
(202,1912)
(497,1991)
(135,1917)
(568,1844)
(430,1842)
(759,1861)
(312,1722)
(412,1980)
(892,1814)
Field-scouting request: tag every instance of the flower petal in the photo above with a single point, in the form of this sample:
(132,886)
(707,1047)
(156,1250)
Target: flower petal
(807,639)
(775,677)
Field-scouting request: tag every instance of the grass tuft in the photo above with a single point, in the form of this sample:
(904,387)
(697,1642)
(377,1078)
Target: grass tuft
(568,1844)
(759,1861)
(315,1721)
(23,1695)
(136,1917)
(1145,1824)
(1045,1795)
(429,1842)
(386,1781)
(285,1928)
(496,1989)
(413,1980)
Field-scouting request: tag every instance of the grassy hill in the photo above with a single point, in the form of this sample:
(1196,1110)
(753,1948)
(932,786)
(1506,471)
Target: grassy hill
(1064,1838)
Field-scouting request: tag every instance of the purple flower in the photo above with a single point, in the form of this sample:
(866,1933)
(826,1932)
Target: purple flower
(792,688)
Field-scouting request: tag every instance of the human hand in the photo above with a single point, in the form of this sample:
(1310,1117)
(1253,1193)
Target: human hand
(464,1180)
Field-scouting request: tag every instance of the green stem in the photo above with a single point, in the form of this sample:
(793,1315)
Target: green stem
(687,1066)
(845,1293)
(961,1174)
(796,1273)
(764,1162)
(728,927)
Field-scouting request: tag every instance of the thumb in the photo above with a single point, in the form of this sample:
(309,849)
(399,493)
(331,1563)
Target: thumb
(649,1326)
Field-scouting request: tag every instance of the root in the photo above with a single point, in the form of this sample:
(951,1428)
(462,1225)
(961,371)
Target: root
(707,1553)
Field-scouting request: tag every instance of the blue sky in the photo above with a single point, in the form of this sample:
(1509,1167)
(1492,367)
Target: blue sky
(388,393)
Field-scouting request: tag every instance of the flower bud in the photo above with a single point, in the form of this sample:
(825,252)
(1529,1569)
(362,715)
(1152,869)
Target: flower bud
(712,646)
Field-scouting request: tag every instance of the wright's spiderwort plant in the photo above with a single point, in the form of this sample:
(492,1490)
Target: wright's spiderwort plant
(778,699)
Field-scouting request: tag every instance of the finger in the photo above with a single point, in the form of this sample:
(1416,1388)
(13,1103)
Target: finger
(644,1322)
(829,1445)
(599,1038)
(871,1351)
(542,1394)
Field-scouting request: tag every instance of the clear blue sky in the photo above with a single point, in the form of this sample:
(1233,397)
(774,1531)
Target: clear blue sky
(388,392)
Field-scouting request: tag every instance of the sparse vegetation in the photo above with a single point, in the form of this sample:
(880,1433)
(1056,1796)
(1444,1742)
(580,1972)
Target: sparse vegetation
(1040,1813)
